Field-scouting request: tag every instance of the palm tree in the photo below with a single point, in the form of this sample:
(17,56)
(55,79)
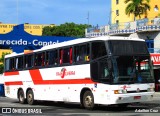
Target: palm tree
(137,7)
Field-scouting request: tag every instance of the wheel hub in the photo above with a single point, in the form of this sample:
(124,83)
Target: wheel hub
(88,100)
(30,97)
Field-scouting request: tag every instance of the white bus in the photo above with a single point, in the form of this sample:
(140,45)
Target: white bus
(103,70)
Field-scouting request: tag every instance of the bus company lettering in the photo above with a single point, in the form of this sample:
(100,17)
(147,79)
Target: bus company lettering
(64,72)
(125,87)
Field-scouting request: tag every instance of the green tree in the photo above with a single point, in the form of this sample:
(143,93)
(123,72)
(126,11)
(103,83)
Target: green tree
(2,61)
(67,30)
(137,7)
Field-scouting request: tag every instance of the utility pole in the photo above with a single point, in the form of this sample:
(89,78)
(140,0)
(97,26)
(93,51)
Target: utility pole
(88,17)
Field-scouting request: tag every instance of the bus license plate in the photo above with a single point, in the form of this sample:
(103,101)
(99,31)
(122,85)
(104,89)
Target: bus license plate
(137,97)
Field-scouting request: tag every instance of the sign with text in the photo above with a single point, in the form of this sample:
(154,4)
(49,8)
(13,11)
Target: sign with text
(155,57)
(18,40)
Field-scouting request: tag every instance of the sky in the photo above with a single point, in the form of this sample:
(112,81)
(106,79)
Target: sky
(55,11)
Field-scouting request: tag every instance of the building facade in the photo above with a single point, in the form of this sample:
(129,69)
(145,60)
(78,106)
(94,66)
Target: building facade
(118,11)
(33,29)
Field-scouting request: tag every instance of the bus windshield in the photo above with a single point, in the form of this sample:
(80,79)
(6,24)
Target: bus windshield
(118,47)
(126,62)
(131,62)
(132,69)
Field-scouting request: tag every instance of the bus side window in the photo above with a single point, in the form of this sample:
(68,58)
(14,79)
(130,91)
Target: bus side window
(47,58)
(87,57)
(19,62)
(84,52)
(66,55)
(12,64)
(70,55)
(39,59)
(81,53)
(28,61)
(52,57)
(43,59)
(7,62)
(98,50)
(55,57)
(76,53)
(61,56)
(36,60)
(25,62)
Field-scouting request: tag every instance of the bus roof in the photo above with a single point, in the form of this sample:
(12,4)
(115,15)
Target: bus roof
(78,41)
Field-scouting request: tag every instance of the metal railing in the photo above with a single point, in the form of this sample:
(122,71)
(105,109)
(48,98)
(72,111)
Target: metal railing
(154,50)
(125,26)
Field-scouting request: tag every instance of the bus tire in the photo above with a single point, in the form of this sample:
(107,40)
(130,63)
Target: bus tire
(21,97)
(88,100)
(30,97)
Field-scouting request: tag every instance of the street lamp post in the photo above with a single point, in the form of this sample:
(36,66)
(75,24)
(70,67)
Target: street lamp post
(88,17)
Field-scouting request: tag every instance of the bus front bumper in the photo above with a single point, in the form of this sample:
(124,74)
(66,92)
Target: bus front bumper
(127,98)
(132,98)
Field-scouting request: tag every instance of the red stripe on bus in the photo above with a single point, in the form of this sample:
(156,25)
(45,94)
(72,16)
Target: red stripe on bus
(37,79)
(14,83)
(11,73)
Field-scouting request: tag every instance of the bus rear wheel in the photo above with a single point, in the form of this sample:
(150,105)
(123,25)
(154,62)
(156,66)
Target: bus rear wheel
(30,97)
(21,97)
(88,100)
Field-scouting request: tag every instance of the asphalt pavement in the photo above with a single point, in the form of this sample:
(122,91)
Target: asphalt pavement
(149,108)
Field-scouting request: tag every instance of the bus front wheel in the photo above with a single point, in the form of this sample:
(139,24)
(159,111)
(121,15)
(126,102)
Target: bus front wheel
(88,100)
(21,97)
(30,97)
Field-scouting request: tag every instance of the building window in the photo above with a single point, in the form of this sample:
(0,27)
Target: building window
(117,21)
(117,1)
(156,8)
(117,12)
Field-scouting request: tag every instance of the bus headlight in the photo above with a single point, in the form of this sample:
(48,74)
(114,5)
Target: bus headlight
(150,89)
(120,91)
(116,92)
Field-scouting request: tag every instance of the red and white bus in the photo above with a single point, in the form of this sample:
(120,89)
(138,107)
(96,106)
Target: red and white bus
(103,70)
